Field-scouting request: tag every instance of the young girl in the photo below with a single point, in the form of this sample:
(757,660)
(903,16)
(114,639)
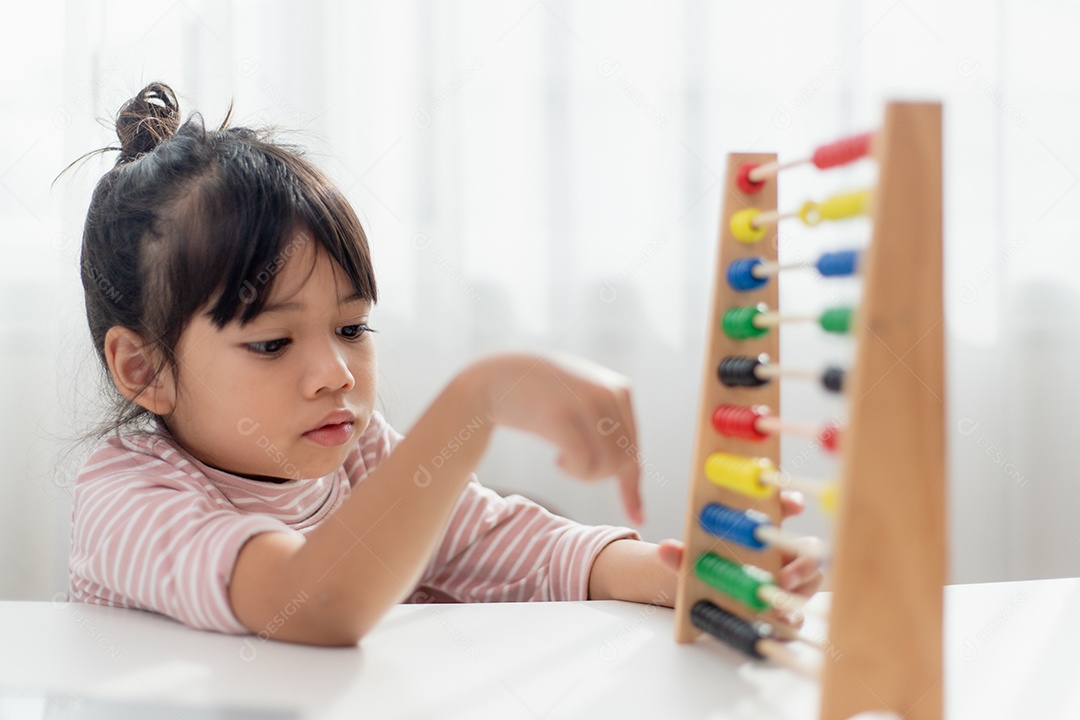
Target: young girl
(228,290)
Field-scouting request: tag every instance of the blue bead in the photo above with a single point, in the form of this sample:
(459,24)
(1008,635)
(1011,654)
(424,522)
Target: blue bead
(733,525)
(740,274)
(838,263)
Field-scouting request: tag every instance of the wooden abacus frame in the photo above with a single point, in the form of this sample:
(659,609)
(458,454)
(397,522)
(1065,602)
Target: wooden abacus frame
(889,558)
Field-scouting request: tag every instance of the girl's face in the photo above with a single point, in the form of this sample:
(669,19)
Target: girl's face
(249,397)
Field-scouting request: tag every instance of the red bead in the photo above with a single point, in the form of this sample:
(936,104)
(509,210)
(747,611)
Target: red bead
(738,422)
(842,152)
(830,437)
(742,179)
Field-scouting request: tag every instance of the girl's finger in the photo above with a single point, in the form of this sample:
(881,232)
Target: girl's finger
(630,474)
(630,488)
(577,456)
(791,503)
(671,554)
(811,585)
(798,573)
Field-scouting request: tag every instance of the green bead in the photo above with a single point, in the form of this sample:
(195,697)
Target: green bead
(738,582)
(837,320)
(738,322)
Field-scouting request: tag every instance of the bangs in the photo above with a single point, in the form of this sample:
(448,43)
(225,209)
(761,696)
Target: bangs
(236,228)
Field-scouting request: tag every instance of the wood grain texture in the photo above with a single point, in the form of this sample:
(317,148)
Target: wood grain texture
(889,567)
(713,393)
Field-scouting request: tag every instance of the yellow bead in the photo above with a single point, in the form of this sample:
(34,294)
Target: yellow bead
(742,226)
(830,498)
(837,207)
(740,474)
(808,213)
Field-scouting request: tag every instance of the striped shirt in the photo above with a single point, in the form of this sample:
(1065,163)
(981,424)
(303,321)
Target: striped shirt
(154,528)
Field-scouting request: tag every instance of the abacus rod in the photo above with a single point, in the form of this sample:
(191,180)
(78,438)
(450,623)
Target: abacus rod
(749,224)
(789,633)
(772,372)
(765,270)
(768,371)
(782,655)
(775,426)
(779,599)
(762,371)
(849,149)
(768,170)
(772,319)
(810,486)
(775,537)
(759,640)
(771,217)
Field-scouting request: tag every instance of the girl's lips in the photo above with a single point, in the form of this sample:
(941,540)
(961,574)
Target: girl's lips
(331,435)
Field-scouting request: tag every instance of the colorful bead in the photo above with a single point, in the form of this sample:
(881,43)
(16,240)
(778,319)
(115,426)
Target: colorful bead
(743,181)
(740,274)
(829,437)
(738,582)
(837,207)
(837,320)
(734,525)
(738,421)
(830,498)
(842,152)
(740,474)
(731,629)
(833,379)
(738,323)
(743,228)
(738,371)
(836,264)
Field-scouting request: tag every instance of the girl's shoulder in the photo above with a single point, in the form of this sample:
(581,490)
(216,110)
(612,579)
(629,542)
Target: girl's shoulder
(149,452)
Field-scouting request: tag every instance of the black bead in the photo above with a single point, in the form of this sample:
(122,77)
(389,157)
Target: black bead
(729,628)
(738,371)
(833,379)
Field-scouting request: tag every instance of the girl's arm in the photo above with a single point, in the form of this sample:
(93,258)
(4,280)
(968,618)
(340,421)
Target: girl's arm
(642,572)
(646,573)
(339,579)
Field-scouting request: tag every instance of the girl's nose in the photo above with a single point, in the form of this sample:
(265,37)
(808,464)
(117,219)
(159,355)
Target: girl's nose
(326,369)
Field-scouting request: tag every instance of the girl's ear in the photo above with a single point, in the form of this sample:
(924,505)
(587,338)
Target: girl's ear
(132,364)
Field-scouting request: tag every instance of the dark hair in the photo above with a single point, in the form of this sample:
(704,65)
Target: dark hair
(191,218)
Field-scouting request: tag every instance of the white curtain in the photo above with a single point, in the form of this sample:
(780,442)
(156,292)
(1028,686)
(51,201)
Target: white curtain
(547,175)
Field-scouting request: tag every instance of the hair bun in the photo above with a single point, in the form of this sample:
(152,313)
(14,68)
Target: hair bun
(145,120)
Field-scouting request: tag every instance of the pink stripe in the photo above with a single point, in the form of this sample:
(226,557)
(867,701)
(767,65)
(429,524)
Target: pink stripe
(153,530)
(462,521)
(492,540)
(527,531)
(141,558)
(531,555)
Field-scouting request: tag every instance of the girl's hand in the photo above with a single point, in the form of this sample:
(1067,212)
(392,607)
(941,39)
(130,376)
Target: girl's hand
(799,574)
(582,408)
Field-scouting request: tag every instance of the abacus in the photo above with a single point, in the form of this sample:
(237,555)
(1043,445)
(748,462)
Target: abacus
(887,565)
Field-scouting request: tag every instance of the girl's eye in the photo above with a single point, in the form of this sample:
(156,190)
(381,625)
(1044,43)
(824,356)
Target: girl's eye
(355,332)
(268,347)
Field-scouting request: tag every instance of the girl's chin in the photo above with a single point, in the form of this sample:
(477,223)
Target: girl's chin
(317,462)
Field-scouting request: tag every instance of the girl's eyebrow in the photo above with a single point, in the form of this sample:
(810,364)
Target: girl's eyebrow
(293,306)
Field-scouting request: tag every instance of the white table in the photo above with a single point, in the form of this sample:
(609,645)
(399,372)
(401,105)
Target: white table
(1012,650)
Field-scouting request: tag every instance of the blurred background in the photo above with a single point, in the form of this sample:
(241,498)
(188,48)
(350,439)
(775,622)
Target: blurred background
(546,175)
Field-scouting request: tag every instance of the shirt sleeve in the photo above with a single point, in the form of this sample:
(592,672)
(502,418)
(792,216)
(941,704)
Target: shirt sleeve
(146,535)
(510,549)
(499,549)
(375,443)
